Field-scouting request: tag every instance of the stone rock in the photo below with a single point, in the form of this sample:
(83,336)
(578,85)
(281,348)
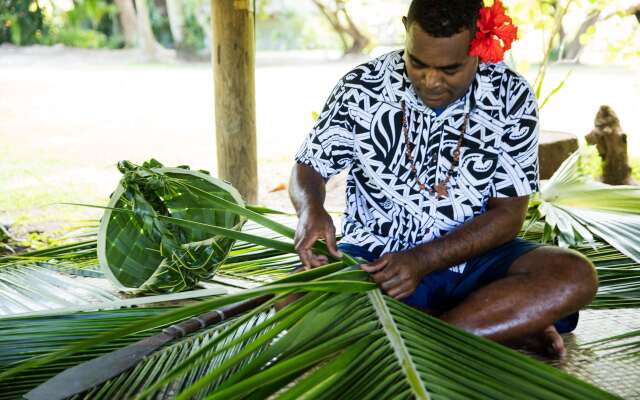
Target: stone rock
(555,147)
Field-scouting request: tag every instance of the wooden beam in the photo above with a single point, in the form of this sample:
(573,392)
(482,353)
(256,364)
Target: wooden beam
(233,59)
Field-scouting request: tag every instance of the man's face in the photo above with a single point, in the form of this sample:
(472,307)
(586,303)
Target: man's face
(440,69)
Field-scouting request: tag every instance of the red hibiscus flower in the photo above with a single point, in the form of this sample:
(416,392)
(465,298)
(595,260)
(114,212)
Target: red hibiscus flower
(495,34)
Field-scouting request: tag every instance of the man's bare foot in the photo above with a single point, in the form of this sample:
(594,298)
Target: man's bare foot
(548,343)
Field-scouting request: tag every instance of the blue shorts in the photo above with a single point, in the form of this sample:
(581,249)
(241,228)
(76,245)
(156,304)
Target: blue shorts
(442,290)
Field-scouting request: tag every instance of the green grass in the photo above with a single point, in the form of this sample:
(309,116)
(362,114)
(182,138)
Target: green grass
(27,185)
(33,189)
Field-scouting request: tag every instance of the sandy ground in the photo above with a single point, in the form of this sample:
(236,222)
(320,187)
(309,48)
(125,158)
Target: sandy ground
(68,115)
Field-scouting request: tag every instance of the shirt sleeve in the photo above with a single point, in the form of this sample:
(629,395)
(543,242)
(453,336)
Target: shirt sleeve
(517,171)
(328,148)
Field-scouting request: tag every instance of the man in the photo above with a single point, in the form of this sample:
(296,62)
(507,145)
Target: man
(442,151)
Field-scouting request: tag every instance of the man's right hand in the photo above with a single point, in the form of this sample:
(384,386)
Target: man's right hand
(312,226)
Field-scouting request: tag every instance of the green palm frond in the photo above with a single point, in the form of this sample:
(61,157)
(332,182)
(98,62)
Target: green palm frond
(600,221)
(40,280)
(618,275)
(141,250)
(344,339)
(28,288)
(53,278)
(108,334)
(158,365)
(258,264)
(622,231)
(25,338)
(624,346)
(68,257)
(341,339)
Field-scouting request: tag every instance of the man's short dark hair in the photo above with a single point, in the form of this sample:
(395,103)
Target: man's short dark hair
(444,18)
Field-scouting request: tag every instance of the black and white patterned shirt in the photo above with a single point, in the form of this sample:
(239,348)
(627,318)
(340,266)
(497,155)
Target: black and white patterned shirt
(361,127)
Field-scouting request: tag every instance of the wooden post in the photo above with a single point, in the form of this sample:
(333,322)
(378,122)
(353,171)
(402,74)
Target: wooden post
(233,59)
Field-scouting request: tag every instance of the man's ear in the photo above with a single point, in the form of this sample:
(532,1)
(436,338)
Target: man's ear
(404,22)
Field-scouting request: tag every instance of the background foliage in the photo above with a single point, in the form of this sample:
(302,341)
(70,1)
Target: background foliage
(304,25)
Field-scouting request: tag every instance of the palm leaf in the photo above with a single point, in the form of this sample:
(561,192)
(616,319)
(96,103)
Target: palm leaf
(138,250)
(576,209)
(24,338)
(625,346)
(282,286)
(73,257)
(620,230)
(158,364)
(38,281)
(29,288)
(618,274)
(341,340)
(581,213)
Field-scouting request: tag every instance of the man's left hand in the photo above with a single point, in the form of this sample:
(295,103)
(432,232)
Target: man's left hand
(397,274)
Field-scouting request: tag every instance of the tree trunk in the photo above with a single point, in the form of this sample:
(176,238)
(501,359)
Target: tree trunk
(360,41)
(202,14)
(344,26)
(611,143)
(176,21)
(233,59)
(127,16)
(334,21)
(574,48)
(147,41)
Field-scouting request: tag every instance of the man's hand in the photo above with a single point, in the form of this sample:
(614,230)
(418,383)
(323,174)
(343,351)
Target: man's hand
(397,274)
(314,225)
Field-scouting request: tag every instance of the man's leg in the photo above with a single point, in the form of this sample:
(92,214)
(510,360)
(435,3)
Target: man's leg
(541,287)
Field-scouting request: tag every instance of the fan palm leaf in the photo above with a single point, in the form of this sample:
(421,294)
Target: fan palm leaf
(576,209)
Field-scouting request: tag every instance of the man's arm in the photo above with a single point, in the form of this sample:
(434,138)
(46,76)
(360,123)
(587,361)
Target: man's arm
(499,224)
(307,192)
(400,273)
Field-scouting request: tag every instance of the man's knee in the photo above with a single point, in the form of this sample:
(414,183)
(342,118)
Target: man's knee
(570,270)
(578,273)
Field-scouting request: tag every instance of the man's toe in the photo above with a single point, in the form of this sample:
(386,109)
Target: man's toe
(554,341)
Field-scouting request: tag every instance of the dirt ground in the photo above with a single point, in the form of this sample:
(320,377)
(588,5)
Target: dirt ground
(68,115)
